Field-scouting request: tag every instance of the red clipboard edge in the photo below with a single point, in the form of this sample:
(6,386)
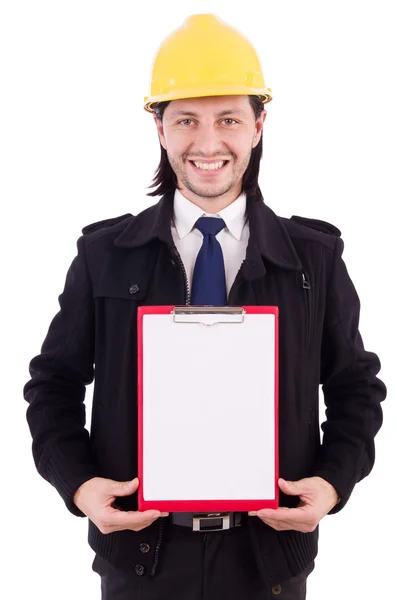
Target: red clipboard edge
(204,505)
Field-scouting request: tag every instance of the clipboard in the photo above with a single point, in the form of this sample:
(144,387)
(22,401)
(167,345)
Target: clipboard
(207,408)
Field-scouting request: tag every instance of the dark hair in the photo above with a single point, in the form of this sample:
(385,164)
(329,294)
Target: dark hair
(165,177)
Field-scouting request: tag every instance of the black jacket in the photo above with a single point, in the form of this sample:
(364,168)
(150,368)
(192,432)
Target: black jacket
(129,261)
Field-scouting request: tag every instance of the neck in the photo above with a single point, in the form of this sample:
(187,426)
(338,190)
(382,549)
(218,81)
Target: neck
(211,205)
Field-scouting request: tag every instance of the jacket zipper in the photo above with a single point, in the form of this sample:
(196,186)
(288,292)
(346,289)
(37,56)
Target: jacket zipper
(176,254)
(307,288)
(157,550)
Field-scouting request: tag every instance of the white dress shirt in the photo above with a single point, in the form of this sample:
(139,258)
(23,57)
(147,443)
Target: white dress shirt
(233,238)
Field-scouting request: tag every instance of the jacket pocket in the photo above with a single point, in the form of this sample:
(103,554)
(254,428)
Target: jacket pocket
(127,289)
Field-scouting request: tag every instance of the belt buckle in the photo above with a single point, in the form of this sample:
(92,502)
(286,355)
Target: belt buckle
(199,520)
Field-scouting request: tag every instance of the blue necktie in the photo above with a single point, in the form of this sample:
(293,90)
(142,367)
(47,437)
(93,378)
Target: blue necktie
(209,281)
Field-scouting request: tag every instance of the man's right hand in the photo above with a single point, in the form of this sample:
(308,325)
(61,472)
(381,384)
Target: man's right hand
(95,498)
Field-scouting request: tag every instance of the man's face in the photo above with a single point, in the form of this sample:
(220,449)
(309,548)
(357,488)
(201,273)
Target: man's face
(200,133)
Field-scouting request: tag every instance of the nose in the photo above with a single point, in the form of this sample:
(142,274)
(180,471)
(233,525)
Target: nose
(208,141)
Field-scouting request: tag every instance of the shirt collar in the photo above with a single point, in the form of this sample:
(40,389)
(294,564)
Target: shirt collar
(270,236)
(186,214)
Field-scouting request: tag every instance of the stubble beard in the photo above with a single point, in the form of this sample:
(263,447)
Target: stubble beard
(209,190)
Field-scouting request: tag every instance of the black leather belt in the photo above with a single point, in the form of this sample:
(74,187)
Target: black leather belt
(207,521)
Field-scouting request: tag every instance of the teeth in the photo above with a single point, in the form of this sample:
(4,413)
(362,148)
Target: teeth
(210,166)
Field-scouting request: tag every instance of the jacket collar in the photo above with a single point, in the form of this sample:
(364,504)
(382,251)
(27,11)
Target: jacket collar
(269,237)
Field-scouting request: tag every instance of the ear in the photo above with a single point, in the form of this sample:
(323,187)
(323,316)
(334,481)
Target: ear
(160,131)
(259,128)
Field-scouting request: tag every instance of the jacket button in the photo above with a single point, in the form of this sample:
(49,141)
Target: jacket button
(134,289)
(144,548)
(276,590)
(139,570)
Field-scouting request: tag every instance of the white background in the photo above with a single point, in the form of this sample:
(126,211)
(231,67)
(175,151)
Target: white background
(77,146)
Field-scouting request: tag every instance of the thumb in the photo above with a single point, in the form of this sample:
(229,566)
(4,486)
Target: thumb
(291,488)
(125,488)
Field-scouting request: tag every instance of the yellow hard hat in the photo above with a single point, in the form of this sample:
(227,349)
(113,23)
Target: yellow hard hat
(205,57)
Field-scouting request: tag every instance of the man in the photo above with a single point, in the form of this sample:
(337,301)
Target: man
(207,97)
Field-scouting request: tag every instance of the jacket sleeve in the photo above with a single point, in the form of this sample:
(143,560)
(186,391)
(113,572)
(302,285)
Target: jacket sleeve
(56,390)
(352,392)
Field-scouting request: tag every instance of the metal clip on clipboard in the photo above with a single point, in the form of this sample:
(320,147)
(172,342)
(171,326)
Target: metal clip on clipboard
(209,315)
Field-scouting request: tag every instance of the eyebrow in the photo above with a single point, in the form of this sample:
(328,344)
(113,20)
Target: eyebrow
(222,113)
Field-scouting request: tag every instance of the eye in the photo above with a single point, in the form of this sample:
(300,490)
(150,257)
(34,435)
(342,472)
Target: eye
(187,122)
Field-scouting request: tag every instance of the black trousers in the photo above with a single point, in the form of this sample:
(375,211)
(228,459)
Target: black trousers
(198,566)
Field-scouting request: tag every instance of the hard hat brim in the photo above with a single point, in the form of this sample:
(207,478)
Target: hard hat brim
(150,102)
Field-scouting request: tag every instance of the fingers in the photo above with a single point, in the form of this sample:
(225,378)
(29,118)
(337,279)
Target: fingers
(316,497)
(294,488)
(299,519)
(118,520)
(108,517)
(124,488)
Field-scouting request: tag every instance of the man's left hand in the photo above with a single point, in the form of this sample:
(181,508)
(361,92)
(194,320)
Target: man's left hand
(317,498)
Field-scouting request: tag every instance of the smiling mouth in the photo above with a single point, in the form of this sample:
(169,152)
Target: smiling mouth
(209,168)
